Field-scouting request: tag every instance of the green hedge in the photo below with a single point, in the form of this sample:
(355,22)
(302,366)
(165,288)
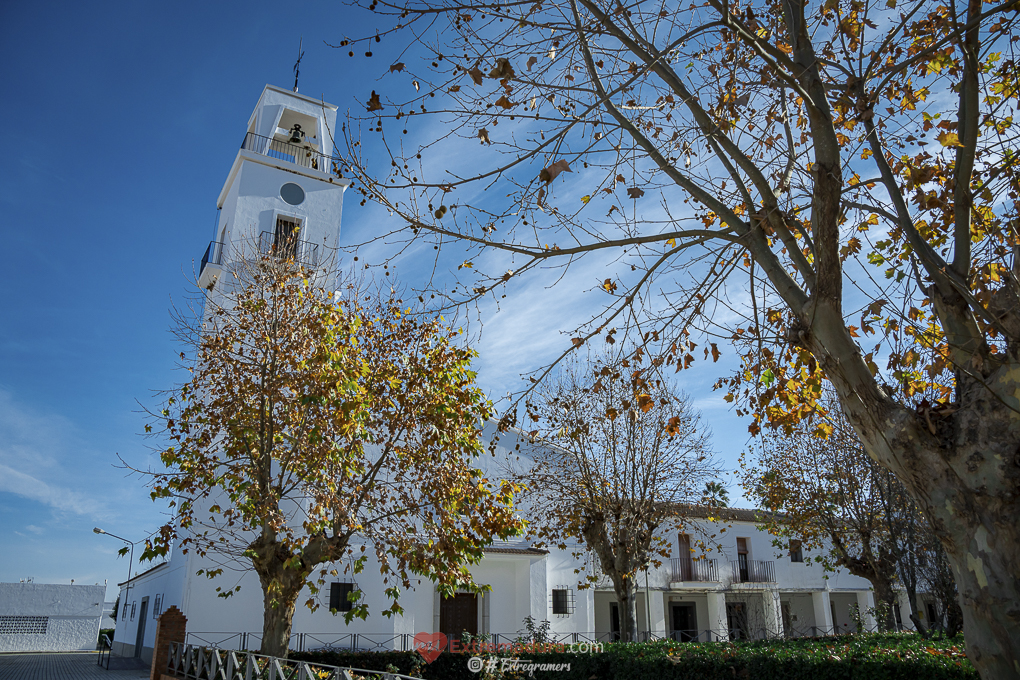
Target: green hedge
(898,656)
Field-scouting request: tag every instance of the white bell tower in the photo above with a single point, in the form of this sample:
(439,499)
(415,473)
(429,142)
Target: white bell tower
(284,193)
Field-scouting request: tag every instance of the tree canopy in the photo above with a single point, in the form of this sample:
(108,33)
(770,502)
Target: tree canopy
(832,186)
(319,429)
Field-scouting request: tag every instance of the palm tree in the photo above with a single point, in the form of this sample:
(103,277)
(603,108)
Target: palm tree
(716,495)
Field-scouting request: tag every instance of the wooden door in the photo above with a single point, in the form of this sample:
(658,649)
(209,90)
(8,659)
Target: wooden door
(459,615)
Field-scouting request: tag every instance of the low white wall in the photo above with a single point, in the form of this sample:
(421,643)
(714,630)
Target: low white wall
(69,615)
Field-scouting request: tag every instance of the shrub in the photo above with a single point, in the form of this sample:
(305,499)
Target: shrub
(884,656)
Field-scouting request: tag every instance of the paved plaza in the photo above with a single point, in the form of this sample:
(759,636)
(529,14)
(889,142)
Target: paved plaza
(57,666)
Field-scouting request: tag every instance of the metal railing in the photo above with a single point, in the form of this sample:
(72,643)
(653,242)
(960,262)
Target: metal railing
(303,156)
(191,662)
(105,648)
(689,569)
(289,247)
(753,571)
(213,255)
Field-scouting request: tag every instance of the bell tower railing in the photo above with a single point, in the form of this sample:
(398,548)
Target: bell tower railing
(304,156)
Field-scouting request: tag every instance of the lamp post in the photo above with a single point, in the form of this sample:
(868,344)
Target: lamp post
(131,561)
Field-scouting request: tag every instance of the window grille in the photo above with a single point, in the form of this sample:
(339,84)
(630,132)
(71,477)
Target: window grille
(157,607)
(24,625)
(339,596)
(133,604)
(562,601)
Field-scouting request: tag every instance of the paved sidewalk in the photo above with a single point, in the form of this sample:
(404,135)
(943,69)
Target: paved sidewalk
(60,666)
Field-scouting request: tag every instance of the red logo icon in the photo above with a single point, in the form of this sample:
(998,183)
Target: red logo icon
(429,645)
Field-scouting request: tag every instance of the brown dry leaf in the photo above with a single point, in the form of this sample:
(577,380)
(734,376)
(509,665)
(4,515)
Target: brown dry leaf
(577,341)
(549,174)
(453,88)
(541,195)
(645,403)
(503,69)
(635,192)
(373,102)
(483,135)
(608,285)
(504,103)
(399,66)
(476,75)
(531,62)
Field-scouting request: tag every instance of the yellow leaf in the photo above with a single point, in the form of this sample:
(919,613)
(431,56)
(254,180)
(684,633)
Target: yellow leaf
(949,139)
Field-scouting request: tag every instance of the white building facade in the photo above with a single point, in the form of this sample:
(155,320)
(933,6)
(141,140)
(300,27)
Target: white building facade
(49,617)
(283,182)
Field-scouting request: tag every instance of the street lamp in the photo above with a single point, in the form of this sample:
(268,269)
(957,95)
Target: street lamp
(131,561)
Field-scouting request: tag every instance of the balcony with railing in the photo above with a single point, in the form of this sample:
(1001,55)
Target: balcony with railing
(303,156)
(690,569)
(289,248)
(211,267)
(753,571)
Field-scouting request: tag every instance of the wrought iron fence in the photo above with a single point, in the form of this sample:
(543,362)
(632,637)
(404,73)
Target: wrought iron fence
(689,569)
(213,255)
(289,247)
(304,156)
(753,571)
(194,662)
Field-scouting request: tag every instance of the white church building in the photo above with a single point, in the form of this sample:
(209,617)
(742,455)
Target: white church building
(284,179)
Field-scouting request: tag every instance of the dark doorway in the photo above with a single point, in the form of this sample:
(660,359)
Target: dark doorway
(285,238)
(458,615)
(736,619)
(140,636)
(614,620)
(787,619)
(685,622)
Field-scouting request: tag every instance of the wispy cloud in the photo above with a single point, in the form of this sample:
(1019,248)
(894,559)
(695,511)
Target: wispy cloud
(37,460)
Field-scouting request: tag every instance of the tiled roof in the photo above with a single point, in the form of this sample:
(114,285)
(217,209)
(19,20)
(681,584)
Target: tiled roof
(725,514)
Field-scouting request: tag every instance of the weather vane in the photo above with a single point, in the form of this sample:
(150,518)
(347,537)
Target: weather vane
(297,64)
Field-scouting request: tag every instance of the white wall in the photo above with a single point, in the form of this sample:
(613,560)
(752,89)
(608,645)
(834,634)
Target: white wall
(72,616)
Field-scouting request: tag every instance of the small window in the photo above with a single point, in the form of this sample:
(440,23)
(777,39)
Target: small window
(133,610)
(157,607)
(339,597)
(796,551)
(562,601)
(292,193)
(124,612)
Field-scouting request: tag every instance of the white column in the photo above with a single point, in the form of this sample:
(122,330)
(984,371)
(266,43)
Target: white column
(773,614)
(657,613)
(720,629)
(865,603)
(823,612)
(586,605)
(903,602)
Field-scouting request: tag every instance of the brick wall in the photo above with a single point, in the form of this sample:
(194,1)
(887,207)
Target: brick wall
(171,627)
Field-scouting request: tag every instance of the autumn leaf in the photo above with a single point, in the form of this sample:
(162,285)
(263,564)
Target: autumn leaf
(577,341)
(608,285)
(504,103)
(552,172)
(645,403)
(476,75)
(373,102)
(503,69)
(399,66)
(635,192)
(949,139)
(483,135)
(673,426)
(585,199)
(531,62)
(611,413)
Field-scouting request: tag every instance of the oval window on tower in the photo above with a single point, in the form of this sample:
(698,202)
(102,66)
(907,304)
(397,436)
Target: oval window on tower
(292,193)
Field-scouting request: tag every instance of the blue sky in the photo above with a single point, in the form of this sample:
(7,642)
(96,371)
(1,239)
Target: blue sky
(121,120)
